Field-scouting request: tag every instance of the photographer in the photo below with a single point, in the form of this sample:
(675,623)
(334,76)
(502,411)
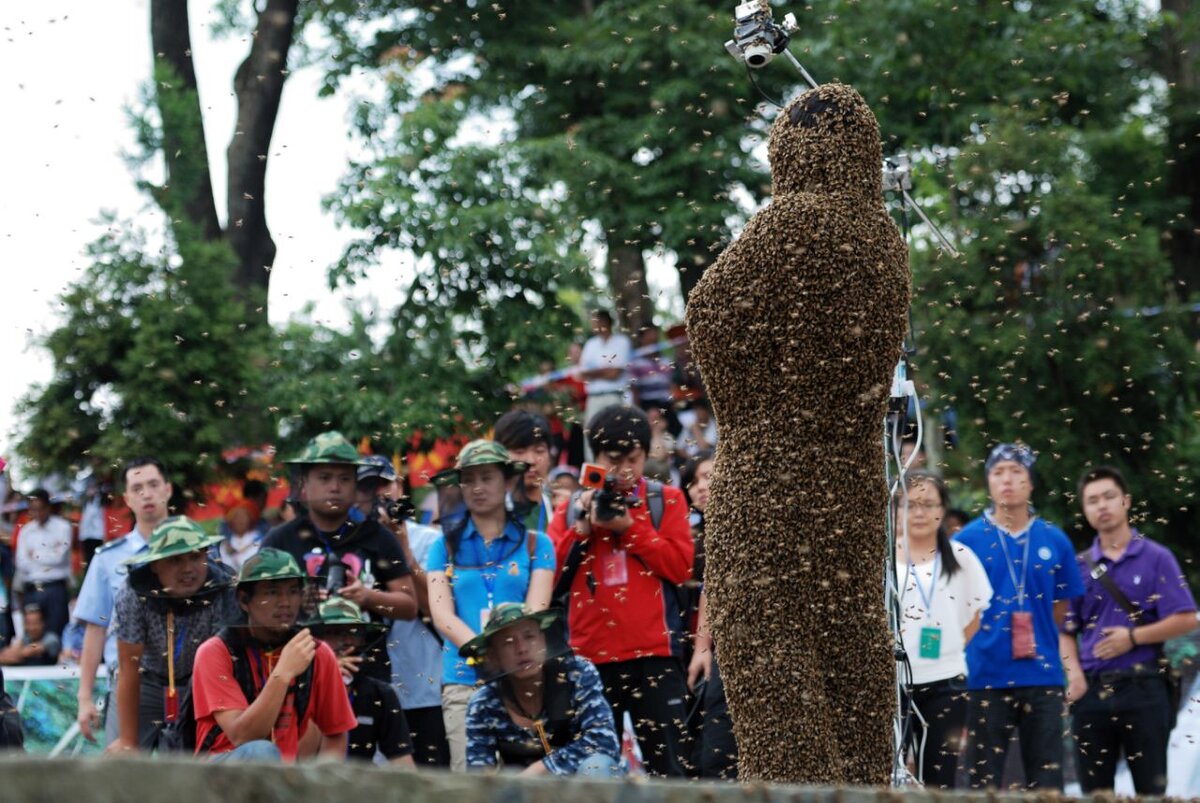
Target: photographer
(353,555)
(257,688)
(484,558)
(526,436)
(623,553)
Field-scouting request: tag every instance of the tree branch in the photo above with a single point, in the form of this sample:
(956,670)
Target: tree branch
(188,191)
(259,87)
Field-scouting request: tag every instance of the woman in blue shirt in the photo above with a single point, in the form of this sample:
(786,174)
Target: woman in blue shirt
(484,559)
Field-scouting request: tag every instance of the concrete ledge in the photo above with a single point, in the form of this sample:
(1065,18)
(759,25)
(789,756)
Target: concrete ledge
(144,780)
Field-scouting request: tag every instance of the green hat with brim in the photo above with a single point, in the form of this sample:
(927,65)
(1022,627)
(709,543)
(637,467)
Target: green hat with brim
(177,535)
(340,614)
(480,453)
(328,448)
(505,616)
(270,564)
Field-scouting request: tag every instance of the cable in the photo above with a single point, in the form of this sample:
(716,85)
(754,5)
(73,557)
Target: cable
(762,91)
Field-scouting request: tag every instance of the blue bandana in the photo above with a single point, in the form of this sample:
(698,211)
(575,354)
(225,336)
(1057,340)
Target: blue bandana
(1016,452)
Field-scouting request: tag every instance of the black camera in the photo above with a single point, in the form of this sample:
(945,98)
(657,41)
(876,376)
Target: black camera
(399,509)
(608,502)
(335,575)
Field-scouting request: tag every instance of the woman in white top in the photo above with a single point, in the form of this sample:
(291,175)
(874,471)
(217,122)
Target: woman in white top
(943,588)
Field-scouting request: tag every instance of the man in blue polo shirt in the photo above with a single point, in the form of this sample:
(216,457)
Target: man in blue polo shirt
(1136,598)
(147,492)
(1014,673)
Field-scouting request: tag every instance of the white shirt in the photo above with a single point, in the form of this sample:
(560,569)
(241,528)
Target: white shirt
(955,602)
(612,353)
(44,551)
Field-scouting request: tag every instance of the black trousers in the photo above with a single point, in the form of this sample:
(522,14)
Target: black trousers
(1036,713)
(1123,714)
(51,597)
(428,732)
(654,692)
(718,754)
(937,742)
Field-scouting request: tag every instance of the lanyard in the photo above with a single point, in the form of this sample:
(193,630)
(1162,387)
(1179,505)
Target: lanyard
(260,658)
(1012,572)
(926,599)
(172,652)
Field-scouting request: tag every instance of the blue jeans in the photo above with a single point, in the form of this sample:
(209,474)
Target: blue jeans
(259,750)
(599,765)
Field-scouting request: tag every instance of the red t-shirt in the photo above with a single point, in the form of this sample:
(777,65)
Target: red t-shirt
(214,688)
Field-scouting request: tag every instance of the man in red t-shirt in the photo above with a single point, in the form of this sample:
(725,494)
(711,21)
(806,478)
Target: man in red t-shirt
(256,689)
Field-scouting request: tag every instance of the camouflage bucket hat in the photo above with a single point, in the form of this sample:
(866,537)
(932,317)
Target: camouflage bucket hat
(177,535)
(339,613)
(504,616)
(270,564)
(376,465)
(326,448)
(480,453)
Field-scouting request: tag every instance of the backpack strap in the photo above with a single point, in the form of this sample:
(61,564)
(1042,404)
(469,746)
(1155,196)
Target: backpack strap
(654,501)
(1099,573)
(561,596)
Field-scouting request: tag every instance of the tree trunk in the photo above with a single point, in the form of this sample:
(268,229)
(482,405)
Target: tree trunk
(1181,68)
(187,193)
(691,266)
(259,87)
(627,278)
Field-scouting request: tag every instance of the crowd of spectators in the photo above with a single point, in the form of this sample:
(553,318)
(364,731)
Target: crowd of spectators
(551,617)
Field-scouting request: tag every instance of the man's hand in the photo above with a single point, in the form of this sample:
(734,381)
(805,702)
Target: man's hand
(32,650)
(356,592)
(583,505)
(700,667)
(1116,642)
(618,525)
(297,655)
(1076,687)
(88,718)
(120,747)
(349,664)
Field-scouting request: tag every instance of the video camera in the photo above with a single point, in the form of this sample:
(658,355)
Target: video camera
(608,501)
(756,37)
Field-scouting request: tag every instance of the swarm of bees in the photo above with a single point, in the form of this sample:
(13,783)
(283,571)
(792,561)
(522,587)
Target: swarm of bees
(796,329)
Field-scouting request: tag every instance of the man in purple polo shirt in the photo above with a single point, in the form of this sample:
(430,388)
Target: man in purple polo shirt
(1114,659)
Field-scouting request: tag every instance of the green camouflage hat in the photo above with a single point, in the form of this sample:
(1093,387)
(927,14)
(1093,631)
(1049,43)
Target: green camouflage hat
(177,535)
(270,564)
(339,612)
(505,615)
(480,453)
(328,448)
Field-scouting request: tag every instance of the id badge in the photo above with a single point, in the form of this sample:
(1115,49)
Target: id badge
(931,643)
(614,568)
(484,615)
(1024,645)
(170,705)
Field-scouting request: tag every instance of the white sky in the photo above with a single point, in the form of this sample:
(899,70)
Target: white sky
(69,69)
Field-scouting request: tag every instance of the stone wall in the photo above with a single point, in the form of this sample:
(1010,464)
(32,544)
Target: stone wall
(141,780)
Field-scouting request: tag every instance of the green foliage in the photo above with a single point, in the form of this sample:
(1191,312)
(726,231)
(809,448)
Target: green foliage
(631,106)
(153,356)
(151,359)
